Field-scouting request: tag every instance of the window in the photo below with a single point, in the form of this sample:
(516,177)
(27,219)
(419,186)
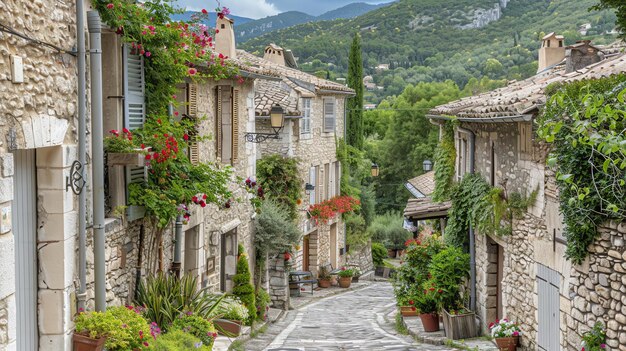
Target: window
(329,115)
(327,181)
(227,124)
(305,122)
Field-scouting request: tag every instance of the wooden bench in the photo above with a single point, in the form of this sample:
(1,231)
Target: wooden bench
(300,278)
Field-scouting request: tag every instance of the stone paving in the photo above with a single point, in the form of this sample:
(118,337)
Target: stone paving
(361,319)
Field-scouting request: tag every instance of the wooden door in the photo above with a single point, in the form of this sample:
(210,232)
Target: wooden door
(499,280)
(228,260)
(305,253)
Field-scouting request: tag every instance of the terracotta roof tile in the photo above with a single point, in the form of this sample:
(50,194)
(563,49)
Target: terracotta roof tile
(425,208)
(424,183)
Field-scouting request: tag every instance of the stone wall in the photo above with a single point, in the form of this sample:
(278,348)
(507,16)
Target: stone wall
(278,283)
(361,258)
(598,290)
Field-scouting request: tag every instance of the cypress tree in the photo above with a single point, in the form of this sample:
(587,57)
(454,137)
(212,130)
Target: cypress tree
(243,288)
(355,104)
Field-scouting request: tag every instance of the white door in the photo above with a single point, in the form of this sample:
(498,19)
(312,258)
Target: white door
(25,236)
(548,282)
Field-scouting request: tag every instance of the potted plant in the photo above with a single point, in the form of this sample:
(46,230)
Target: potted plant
(408,308)
(231,316)
(459,323)
(595,339)
(323,278)
(428,305)
(92,329)
(122,150)
(357,274)
(506,334)
(345,277)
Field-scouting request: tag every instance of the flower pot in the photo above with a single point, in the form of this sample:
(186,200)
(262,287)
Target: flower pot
(430,321)
(345,282)
(227,327)
(392,253)
(459,326)
(408,311)
(85,343)
(507,344)
(323,283)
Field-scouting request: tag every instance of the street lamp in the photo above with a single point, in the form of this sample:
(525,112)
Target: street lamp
(375,170)
(427,166)
(277,122)
(277,118)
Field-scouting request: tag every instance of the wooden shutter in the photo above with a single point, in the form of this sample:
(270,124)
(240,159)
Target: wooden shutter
(319,186)
(192,111)
(329,115)
(337,178)
(235,126)
(312,175)
(134,105)
(327,181)
(218,123)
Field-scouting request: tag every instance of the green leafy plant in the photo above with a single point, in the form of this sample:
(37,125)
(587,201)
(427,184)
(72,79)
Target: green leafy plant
(281,181)
(445,157)
(120,142)
(467,197)
(387,229)
(379,253)
(584,121)
(123,327)
(448,269)
(197,326)
(346,272)
(167,297)
(323,273)
(243,288)
(178,340)
(263,301)
(275,232)
(594,339)
(232,309)
(428,300)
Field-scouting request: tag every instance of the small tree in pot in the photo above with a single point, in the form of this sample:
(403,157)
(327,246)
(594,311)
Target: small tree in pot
(323,277)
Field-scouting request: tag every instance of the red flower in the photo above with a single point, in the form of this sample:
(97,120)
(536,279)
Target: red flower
(287,256)
(148,157)
(192,71)
(205,11)
(440,291)
(204,196)
(491,325)
(143,146)
(411,302)
(186,137)
(194,199)
(110,6)
(202,204)
(413,308)
(176,113)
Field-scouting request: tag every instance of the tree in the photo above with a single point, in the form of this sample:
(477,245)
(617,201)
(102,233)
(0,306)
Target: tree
(620,10)
(243,288)
(355,104)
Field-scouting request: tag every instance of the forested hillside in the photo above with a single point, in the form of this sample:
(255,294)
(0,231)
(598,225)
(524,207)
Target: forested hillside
(422,40)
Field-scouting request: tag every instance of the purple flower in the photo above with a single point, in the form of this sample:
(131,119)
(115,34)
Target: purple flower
(603,346)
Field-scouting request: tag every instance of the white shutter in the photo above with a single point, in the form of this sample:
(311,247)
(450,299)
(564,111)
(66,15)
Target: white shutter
(312,175)
(337,178)
(305,123)
(327,181)
(134,105)
(329,115)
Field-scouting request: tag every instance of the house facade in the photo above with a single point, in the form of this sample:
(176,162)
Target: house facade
(39,236)
(525,276)
(315,112)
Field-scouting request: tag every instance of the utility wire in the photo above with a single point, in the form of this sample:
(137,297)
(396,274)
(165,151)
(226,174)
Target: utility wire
(6,29)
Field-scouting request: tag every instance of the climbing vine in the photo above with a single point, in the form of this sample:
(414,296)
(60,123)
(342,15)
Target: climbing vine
(445,156)
(586,124)
(281,182)
(490,210)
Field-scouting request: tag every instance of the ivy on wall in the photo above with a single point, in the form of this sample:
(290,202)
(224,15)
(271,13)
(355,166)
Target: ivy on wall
(445,156)
(586,124)
(281,182)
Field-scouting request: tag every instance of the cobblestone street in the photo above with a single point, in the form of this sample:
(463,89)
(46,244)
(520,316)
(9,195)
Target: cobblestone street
(358,320)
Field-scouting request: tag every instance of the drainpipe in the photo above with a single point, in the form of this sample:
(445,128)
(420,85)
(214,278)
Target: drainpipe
(472,237)
(95,55)
(82,155)
(177,246)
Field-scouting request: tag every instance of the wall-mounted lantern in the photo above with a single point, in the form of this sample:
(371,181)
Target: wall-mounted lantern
(277,122)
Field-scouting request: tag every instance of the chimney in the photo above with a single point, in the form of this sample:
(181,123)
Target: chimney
(225,37)
(552,51)
(581,55)
(279,56)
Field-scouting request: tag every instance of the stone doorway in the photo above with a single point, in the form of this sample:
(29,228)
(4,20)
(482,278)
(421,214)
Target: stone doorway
(495,275)
(228,260)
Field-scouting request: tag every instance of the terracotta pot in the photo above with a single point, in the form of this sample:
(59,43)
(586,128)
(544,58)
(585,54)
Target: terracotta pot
(345,282)
(323,283)
(507,344)
(430,321)
(392,253)
(227,327)
(85,343)
(408,311)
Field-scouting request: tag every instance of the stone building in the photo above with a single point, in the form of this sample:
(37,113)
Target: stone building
(525,276)
(39,270)
(314,110)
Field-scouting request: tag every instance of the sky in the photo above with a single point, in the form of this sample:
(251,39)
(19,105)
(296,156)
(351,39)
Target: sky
(263,8)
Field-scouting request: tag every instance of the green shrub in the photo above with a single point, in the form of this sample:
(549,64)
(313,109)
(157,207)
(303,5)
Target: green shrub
(280,179)
(387,229)
(243,288)
(124,328)
(166,297)
(346,272)
(379,253)
(262,303)
(178,340)
(447,270)
(275,231)
(231,309)
(197,326)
